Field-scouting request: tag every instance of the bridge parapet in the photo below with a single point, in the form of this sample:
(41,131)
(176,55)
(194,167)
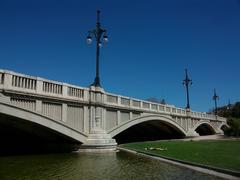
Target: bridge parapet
(152,107)
(12,81)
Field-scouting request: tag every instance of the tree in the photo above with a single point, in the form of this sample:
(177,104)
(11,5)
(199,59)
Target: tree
(153,99)
(156,100)
(236,110)
(232,113)
(234,129)
(163,102)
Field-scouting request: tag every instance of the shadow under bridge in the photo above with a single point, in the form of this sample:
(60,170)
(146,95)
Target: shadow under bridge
(148,128)
(24,132)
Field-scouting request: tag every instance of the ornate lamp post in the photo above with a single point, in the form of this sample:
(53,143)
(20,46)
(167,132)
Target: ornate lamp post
(100,34)
(215,98)
(187,82)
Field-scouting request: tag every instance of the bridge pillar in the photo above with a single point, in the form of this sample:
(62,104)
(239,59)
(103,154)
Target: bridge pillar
(64,112)
(39,106)
(98,139)
(219,131)
(7,81)
(190,132)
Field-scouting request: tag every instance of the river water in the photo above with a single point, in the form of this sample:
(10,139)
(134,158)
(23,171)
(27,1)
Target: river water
(120,165)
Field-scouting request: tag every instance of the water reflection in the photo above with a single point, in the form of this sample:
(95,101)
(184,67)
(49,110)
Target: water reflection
(119,165)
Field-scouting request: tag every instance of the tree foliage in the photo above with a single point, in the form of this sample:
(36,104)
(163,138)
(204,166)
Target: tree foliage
(229,110)
(156,100)
(232,113)
(234,130)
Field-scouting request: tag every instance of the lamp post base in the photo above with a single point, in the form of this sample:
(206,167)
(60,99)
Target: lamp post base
(96,82)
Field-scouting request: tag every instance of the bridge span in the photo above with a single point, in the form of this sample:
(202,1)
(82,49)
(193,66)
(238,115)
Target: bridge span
(92,117)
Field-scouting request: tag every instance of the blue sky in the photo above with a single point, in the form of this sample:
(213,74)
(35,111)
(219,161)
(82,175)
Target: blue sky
(150,45)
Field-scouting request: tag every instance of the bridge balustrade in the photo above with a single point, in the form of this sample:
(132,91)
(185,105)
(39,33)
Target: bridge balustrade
(22,83)
(154,107)
(168,109)
(174,110)
(54,88)
(161,108)
(125,101)
(112,99)
(146,106)
(136,103)
(75,92)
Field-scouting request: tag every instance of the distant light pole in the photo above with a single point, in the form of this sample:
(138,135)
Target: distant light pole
(229,105)
(187,82)
(97,33)
(215,98)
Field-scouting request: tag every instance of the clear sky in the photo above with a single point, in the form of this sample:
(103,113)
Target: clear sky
(151,42)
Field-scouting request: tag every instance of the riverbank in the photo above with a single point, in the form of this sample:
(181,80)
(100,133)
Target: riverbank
(221,155)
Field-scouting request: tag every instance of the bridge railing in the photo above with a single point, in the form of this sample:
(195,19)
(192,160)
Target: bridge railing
(147,106)
(11,81)
(141,105)
(204,115)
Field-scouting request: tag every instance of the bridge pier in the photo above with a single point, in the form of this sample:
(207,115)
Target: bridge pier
(192,134)
(98,141)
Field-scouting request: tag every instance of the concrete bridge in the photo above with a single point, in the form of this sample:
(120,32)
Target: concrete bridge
(92,117)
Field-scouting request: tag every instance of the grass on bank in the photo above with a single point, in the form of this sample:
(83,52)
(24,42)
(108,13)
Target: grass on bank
(221,154)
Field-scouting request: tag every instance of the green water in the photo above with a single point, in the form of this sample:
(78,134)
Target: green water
(79,166)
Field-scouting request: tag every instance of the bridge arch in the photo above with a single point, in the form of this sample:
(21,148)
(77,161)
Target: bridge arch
(148,120)
(35,118)
(204,128)
(224,127)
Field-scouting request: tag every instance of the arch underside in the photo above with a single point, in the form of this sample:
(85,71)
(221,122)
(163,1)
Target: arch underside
(204,128)
(224,127)
(29,133)
(147,128)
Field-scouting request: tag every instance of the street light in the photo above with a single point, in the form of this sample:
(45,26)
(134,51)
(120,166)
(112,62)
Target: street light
(97,33)
(187,82)
(215,98)
(229,105)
